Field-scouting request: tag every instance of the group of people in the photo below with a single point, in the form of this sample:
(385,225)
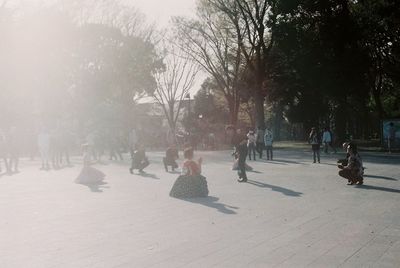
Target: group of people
(190,167)
(258,141)
(316,139)
(248,146)
(9,150)
(53,147)
(351,168)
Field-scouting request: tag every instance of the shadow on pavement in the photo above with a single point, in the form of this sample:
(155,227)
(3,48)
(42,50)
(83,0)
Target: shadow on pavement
(329,164)
(211,201)
(148,175)
(96,187)
(380,177)
(254,171)
(384,189)
(273,162)
(283,161)
(282,190)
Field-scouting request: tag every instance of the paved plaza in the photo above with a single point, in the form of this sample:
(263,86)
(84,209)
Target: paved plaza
(291,213)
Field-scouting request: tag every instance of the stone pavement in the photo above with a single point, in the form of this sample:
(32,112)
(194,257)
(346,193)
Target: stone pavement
(291,213)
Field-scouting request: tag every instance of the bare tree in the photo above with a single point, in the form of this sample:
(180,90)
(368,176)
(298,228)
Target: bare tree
(174,83)
(253,21)
(212,42)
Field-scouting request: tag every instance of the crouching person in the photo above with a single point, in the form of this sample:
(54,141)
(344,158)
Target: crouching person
(171,155)
(353,170)
(190,184)
(139,160)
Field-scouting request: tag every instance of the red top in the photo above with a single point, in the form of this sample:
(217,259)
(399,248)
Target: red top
(191,168)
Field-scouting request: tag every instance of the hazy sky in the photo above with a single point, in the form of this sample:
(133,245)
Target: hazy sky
(161,10)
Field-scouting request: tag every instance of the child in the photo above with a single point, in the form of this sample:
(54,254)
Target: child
(139,160)
(191,167)
(170,158)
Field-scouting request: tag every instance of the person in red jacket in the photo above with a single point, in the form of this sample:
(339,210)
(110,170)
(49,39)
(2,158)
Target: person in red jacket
(191,167)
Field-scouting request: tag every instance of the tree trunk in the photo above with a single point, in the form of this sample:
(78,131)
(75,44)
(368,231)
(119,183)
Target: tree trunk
(278,122)
(259,109)
(171,119)
(340,123)
(378,103)
(233,111)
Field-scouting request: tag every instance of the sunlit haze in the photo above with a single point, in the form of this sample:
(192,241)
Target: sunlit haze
(161,11)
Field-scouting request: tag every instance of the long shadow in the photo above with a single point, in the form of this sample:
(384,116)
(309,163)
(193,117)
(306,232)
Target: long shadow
(370,187)
(275,188)
(381,159)
(274,162)
(380,177)
(254,171)
(148,175)
(284,161)
(211,201)
(328,164)
(96,187)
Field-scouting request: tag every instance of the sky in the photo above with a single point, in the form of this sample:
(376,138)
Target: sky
(162,10)
(159,11)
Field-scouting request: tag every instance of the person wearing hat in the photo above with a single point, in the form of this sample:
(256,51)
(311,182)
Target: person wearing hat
(251,144)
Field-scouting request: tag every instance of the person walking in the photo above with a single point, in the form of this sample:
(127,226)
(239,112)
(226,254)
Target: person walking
(241,153)
(251,144)
(315,142)
(268,140)
(327,140)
